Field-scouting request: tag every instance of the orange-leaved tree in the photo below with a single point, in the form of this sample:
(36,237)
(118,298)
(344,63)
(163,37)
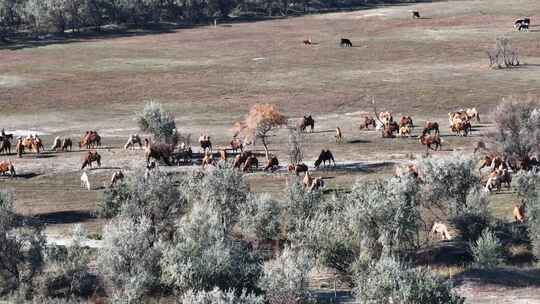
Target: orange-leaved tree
(261,119)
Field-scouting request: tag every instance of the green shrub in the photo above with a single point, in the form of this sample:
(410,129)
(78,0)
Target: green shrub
(216,296)
(487,250)
(160,123)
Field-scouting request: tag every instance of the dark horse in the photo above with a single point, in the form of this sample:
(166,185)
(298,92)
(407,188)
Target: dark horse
(307,121)
(325,156)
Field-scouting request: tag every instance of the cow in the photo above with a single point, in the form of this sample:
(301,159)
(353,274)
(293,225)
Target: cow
(345,42)
(67,144)
(57,144)
(308,41)
(522,24)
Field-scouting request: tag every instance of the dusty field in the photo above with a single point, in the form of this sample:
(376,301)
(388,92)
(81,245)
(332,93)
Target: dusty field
(210,76)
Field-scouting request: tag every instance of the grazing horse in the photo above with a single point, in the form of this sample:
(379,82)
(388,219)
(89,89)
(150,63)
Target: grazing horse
(345,42)
(5,146)
(431,126)
(132,141)
(236,144)
(307,121)
(298,168)
(250,162)
(519,212)
(116,177)
(339,135)
(325,156)
(158,151)
(205,142)
(85,182)
(368,121)
(272,164)
(7,166)
(428,140)
(91,139)
(91,156)
(67,144)
(442,229)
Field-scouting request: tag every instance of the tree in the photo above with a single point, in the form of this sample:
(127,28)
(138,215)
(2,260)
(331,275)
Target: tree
(260,217)
(517,127)
(260,121)
(155,120)
(296,138)
(10,16)
(487,251)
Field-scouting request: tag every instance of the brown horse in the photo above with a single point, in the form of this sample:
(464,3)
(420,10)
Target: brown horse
(307,121)
(91,157)
(325,156)
(91,139)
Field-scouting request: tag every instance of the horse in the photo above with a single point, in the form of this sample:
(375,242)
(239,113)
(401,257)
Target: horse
(307,121)
(345,42)
(325,156)
(91,157)
(132,140)
(91,139)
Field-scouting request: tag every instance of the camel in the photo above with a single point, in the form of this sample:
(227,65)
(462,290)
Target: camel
(406,121)
(19,147)
(429,140)
(442,229)
(207,160)
(431,126)
(240,159)
(7,166)
(223,155)
(33,143)
(116,177)
(325,156)
(67,144)
(307,121)
(57,144)
(236,144)
(272,164)
(518,212)
(90,158)
(339,135)
(404,131)
(183,156)
(132,141)
(250,162)
(85,182)
(298,168)
(91,139)
(368,121)
(157,151)
(316,184)
(205,142)
(307,180)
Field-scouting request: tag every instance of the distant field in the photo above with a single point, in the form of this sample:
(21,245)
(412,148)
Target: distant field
(210,76)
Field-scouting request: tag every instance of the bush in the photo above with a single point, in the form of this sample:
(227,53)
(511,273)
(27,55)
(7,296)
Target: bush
(389,281)
(286,277)
(260,217)
(202,256)
(21,251)
(487,250)
(158,122)
(113,199)
(67,272)
(216,296)
(129,258)
(449,182)
(528,189)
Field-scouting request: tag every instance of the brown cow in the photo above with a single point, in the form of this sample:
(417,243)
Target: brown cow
(91,156)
